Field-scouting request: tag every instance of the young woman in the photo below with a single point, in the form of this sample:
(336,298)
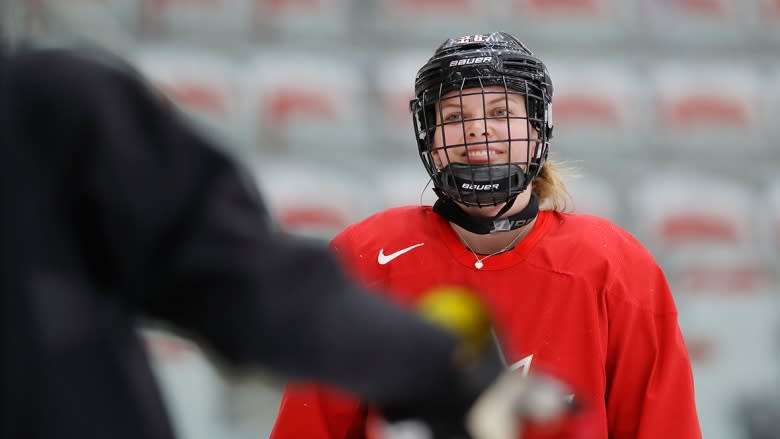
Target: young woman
(571,295)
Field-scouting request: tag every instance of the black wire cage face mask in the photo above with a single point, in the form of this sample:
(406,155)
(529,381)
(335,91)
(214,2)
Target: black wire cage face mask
(482,139)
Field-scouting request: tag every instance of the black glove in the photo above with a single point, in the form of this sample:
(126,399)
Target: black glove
(444,413)
(477,396)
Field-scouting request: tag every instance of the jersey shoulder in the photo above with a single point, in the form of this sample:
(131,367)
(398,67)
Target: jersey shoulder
(606,257)
(396,224)
(595,235)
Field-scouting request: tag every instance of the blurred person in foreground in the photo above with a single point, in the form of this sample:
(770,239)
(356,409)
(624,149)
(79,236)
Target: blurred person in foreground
(571,295)
(113,210)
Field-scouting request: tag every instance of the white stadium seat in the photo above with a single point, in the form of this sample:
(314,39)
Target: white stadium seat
(769,20)
(402,183)
(306,103)
(312,198)
(202,83)
(770,90)
(192,387)
(732,341)
(112,24)
(597,107)
(675,210)
(426,22)
(704,106)
(720,271)
(303,20)
(595,196)
(728,302)
(695,23)
(205,21)
(578,21)
(394,81)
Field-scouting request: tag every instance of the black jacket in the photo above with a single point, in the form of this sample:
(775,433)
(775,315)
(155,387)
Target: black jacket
(111,209)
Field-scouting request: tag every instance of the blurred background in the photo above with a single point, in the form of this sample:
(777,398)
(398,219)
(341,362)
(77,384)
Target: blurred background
(668,110)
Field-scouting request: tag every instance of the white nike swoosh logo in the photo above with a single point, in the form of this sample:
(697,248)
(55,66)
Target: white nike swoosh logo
(383,259)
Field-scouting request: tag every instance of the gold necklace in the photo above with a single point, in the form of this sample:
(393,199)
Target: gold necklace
(479,263)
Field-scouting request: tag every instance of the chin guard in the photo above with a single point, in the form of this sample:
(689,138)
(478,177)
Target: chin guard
(484,225)
(481,185)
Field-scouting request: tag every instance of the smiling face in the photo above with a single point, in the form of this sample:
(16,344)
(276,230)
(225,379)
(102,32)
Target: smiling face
(482,126)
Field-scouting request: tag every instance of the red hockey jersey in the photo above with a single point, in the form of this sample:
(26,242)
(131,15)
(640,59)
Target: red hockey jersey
(578,298)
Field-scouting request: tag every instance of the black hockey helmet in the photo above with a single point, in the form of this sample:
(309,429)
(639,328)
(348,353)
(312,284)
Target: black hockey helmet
(476,62)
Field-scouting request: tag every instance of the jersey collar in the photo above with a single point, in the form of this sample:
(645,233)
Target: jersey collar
(499,261)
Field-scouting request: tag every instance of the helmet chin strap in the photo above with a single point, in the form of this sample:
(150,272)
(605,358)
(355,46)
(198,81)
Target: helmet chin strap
(483,225)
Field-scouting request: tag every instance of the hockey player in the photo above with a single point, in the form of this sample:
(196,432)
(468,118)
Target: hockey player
(571,295)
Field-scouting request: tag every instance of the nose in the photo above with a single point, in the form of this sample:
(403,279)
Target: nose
(477,127)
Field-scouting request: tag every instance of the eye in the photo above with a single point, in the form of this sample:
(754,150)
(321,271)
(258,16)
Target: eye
(453,117)
(500,112)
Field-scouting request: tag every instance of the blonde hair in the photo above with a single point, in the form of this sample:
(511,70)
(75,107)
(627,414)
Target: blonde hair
(550,187)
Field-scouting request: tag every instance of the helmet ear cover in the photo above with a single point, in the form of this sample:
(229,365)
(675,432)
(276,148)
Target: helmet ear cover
(473,63)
